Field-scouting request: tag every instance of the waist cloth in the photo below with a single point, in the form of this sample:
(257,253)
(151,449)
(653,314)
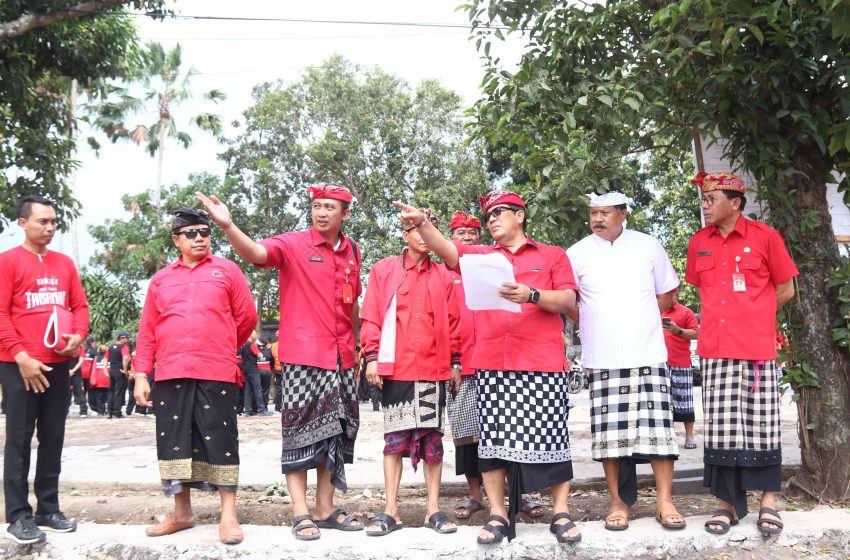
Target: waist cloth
(463,419)
(414,418)
(741,403)
(319,419)
(682,393)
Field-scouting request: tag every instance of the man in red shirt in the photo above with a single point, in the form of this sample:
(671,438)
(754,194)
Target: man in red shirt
(195,392)
(744,274)
(34,282)
(520,362)
(411,345)
(319,279)
(680,328)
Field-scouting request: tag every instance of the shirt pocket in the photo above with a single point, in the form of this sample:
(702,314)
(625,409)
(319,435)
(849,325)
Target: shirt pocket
(754,269)
(706,270)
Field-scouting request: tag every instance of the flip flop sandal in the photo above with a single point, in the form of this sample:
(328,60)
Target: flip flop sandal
(532,509)
(383,525)
(763,521)
(299,525)
(468,509)
(498,531)
(661,518)
(617,515)
(724,526)
(438,522)
(560,530)
(690,444)
(331,522)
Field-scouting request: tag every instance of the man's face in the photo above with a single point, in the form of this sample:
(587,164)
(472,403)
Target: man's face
(607,221)
(467,235)
(717,207)
(502,221)
(415,243)
(40,227)
(123,340)
(193,249)
(328,215)
(254,335)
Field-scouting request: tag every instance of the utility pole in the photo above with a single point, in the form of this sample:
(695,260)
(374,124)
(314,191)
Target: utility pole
(75,240)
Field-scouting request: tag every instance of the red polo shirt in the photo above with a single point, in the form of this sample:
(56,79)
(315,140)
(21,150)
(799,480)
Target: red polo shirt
(315,323)
(194,319)
(738,325)
(416,356)
(531,340)
(678,348)
(467,326)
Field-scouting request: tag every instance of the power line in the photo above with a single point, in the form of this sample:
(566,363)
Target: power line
(306,37)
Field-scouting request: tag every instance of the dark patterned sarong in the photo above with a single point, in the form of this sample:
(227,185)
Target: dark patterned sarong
(197,441)
(463,418)
(682,393)
(319,421)
(414,417)
(741,400)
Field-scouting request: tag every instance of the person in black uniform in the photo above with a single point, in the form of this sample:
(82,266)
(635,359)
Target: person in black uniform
(253,397)
(119,360)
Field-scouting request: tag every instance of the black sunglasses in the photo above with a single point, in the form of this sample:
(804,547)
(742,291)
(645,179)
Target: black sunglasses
(193,233)
(496,212)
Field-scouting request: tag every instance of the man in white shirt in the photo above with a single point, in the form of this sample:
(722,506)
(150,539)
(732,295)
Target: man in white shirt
(624,280)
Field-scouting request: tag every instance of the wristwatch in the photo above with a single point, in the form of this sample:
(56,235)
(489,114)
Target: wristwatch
(533,295)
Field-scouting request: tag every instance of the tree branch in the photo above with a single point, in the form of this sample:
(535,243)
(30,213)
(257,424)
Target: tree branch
(27,22)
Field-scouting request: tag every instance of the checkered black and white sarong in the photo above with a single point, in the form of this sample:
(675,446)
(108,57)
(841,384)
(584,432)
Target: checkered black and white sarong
(463,412)
(523,416)
(631,413)
(320,419)
(682,393)
(741,402)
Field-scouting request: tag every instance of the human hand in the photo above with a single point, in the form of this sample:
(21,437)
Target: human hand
(410,215)
(217,210)
(455,382)
(517,293)
(73,344)
(372,375)
(31,372)
(670,327)
(142,392)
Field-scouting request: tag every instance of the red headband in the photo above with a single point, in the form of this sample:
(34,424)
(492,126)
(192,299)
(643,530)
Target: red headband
(719,181)
(329,191)
(462,219)
(493,198)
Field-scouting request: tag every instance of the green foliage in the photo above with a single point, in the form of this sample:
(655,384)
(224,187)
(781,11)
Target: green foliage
(277,489)
(36,69)
(361,128)
(112,306)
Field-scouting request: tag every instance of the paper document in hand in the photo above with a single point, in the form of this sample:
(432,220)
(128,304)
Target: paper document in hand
(482,277)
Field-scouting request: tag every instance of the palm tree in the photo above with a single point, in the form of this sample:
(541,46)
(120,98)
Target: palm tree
(166,83)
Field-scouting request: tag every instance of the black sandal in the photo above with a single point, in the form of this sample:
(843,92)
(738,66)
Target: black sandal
(330,522)
(498,531)
(299,525)
(438,522)
(386,524)
(560,530)
(762,522)
(724,527)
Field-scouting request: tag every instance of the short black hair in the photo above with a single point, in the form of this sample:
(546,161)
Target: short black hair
(345,206)
(739,195)
(621,207)
(25,205)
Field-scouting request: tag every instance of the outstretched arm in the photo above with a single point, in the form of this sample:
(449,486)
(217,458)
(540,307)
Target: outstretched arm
(244,246)
(442,247)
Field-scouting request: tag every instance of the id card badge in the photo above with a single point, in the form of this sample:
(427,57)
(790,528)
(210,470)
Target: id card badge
(347,293)
(739,284)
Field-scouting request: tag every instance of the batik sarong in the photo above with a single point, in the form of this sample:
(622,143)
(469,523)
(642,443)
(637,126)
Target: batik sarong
(197,441)
(319,420)
(463,419)
(414,413)
(682,393)
(741,401)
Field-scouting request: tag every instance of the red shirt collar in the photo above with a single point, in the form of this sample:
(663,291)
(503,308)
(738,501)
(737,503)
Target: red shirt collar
(317,239)
(740,227)
(408,262)
(528,242)
(179,261)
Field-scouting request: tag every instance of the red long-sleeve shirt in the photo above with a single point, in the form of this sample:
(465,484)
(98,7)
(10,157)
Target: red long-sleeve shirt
(194,319)
(30,286)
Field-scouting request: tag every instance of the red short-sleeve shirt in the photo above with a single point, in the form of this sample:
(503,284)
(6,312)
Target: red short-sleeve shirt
(531,340)
(738,325)
(315,322)
(678,348)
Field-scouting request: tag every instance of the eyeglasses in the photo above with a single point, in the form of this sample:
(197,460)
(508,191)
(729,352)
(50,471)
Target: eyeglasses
(710,200)
(193,233)
(496,212)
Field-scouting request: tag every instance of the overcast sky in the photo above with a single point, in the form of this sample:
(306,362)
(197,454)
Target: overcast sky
(234,56)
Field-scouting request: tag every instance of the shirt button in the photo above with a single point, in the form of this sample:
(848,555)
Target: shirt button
(724,264)
(722,301)
(722,320)
(724,283)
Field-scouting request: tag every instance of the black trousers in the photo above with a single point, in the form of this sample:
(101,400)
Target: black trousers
(100,400)
(79,390)
(117,392)
(253,396)
(278,386)
(265,385)
(27,411)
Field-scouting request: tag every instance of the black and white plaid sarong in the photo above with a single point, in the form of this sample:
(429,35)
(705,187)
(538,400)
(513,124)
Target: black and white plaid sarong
(631,414)
(523,416)
(320,419)
(741,400)
(682,393)
(463,412)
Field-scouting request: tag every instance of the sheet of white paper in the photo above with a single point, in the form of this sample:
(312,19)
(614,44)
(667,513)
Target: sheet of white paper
(482,277)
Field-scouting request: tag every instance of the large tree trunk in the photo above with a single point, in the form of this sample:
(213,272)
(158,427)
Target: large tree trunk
(824,424)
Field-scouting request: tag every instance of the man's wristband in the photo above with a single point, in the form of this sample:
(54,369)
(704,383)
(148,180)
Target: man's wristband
(679,332)
(456,366)
(138,376)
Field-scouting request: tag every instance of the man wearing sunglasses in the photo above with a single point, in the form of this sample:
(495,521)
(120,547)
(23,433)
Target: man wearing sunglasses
(319,278)
(195,394)
(520,362)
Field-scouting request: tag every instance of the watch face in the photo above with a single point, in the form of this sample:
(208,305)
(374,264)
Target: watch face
(535,296)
